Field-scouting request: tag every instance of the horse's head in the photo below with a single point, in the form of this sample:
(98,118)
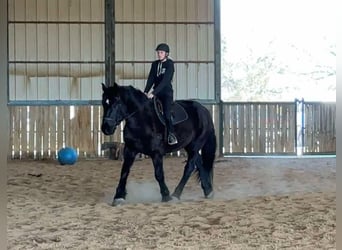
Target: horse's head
(114,110)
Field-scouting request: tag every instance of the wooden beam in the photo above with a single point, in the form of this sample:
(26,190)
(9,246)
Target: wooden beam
(4,123)
(109,42)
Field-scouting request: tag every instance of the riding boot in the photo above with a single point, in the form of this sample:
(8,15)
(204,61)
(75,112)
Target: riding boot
(167,101)
(171,137)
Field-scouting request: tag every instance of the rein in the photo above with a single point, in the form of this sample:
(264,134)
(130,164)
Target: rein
(134,112)
(129,115)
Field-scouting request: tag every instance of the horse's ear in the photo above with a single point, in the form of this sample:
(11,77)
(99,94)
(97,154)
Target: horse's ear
(116,88)
(104,87)
(115,85)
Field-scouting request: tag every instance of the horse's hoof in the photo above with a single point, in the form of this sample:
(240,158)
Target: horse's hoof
(118,202)
(166,198)
(174,197)
(210,195)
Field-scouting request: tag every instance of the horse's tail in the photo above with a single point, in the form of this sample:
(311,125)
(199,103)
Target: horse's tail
(208,155)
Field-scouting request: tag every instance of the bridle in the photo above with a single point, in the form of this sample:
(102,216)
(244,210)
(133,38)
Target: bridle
(127,117)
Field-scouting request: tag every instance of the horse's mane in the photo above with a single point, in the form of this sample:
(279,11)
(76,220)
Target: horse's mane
(131,95)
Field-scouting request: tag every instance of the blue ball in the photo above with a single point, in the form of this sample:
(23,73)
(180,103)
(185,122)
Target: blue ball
(67,156)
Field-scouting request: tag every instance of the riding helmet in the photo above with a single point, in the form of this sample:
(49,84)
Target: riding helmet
(163,47)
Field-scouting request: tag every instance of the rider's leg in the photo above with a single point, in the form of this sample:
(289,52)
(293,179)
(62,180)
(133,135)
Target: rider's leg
(167,101)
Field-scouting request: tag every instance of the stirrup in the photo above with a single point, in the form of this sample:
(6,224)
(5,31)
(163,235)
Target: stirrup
(171,139)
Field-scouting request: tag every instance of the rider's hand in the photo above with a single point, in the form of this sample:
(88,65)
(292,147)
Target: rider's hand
(149,95)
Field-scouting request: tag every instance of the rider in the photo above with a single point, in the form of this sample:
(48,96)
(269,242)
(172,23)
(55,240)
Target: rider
(160,77)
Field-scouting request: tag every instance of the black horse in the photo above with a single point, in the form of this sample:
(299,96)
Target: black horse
(145,133)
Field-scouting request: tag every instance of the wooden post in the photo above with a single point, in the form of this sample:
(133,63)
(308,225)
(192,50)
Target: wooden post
(109,42)
(4,122)
(217,61)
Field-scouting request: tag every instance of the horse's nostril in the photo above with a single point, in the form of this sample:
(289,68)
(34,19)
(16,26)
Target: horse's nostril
(104,128)
(107,129)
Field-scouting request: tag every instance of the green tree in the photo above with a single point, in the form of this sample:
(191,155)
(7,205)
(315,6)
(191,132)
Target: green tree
(248,79)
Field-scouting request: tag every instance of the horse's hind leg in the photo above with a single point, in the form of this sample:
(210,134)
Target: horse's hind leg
(188,170)
(206,178)
(159,175)
(120,195)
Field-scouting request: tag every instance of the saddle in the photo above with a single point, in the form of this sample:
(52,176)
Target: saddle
(178,113)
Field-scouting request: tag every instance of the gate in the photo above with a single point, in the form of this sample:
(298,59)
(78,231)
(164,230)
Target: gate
(259,128)
(318,130)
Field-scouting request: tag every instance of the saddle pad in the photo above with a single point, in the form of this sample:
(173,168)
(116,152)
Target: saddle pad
(178,113)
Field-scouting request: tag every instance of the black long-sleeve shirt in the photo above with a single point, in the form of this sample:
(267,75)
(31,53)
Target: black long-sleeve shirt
(160,77)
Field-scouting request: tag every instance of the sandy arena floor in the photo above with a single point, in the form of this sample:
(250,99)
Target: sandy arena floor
(259,203)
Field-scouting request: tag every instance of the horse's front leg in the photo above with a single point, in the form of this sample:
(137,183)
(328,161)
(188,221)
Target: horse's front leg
(120,195)
(159,174)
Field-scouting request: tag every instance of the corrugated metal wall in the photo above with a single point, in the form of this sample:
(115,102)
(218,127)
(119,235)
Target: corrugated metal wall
(56,49)
(186,25)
